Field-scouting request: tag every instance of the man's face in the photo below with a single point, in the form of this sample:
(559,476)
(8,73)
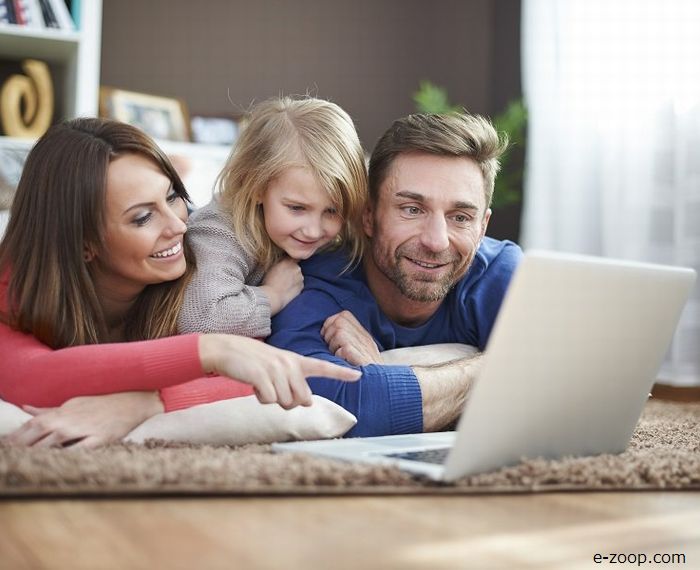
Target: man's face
(427,224)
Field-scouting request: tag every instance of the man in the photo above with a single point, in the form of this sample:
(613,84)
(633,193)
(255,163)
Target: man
(428,276)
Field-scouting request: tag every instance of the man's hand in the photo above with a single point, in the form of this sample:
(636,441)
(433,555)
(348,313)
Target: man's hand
(445,389)
(86,421)
(348,339)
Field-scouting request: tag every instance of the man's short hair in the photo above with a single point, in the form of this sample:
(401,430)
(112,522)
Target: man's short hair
(460,135)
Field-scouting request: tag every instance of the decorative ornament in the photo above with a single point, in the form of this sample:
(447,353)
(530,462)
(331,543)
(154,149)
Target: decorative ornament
(26,101)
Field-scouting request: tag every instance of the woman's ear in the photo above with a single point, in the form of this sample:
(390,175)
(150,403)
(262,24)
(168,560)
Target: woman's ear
(88,253)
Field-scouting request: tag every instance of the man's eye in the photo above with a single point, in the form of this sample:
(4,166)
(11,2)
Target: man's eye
(412,210)
(142,220)
(461,219)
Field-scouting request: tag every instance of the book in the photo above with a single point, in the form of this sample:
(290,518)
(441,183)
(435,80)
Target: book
(62,15)
(48,15)
(32,13)
(20,18)
(4,14)
(10,7)
(75,13)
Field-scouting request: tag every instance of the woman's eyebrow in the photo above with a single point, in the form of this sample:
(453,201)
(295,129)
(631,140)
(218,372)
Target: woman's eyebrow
(149,203)
(139,205)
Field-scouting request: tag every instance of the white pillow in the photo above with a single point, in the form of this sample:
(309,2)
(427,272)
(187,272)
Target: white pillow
(11,417)
(428,354)
(227,422)
(245,420)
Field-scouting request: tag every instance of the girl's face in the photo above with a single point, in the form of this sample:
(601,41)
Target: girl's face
(144,228)
(299,215)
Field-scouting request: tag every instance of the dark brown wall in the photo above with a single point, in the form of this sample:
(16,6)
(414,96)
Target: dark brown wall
(506,86)
(366,55)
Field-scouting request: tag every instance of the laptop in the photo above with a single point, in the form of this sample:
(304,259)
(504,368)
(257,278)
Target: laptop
(571,360)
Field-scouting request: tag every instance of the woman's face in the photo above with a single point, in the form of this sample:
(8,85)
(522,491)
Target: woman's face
(144,228)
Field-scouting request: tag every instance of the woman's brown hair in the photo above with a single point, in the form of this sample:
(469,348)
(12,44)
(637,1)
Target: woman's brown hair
(57,212)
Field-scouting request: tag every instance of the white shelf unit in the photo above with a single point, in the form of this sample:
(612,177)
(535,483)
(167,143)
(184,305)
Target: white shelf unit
(77,51)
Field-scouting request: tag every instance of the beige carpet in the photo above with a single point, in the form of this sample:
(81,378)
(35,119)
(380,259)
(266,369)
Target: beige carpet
(664,454)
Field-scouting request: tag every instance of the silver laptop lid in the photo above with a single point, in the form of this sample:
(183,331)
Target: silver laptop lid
(573,354)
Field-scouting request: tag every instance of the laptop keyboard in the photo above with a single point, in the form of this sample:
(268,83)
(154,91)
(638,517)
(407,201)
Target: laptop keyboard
(425,456)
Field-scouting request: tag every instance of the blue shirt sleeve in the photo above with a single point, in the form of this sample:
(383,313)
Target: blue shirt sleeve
(386,399)
(481,294)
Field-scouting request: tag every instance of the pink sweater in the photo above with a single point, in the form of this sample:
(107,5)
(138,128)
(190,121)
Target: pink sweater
(33,373)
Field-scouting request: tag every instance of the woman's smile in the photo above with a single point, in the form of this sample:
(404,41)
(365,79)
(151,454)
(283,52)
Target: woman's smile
(170,252)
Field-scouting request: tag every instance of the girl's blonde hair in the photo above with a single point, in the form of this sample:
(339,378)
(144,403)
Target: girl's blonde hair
(277,134)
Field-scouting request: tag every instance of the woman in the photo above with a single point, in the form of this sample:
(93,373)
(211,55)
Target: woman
(94,256)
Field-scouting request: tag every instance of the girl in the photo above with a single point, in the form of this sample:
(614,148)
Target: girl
(295,183)
(95,255)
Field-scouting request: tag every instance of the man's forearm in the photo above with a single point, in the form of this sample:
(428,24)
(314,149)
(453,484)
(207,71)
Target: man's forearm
(445,388)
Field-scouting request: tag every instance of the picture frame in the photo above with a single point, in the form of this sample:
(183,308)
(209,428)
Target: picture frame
(163,118)
(215,129)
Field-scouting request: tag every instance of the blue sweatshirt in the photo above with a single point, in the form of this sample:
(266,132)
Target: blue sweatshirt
(387,399)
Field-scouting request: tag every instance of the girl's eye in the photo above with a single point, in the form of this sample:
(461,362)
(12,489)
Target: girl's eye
(142,220)
(172,197)
(332,211)
(295,207)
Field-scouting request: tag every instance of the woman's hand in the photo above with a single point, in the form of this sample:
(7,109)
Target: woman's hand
(282,282)
(277,375)
(86,421)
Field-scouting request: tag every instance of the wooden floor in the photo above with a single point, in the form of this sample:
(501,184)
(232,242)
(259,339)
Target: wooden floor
(530,531)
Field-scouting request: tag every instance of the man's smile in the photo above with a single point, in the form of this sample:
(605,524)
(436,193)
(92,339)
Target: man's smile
(427,264)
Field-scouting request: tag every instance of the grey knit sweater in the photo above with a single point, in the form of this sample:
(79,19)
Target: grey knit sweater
(224,295)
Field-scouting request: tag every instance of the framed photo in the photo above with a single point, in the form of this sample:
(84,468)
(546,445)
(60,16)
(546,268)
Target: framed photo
(161,117)
(221,130)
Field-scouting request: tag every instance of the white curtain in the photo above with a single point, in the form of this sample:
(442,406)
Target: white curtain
(613,150)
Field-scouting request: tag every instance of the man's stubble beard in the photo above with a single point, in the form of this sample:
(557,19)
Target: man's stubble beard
(427,291)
